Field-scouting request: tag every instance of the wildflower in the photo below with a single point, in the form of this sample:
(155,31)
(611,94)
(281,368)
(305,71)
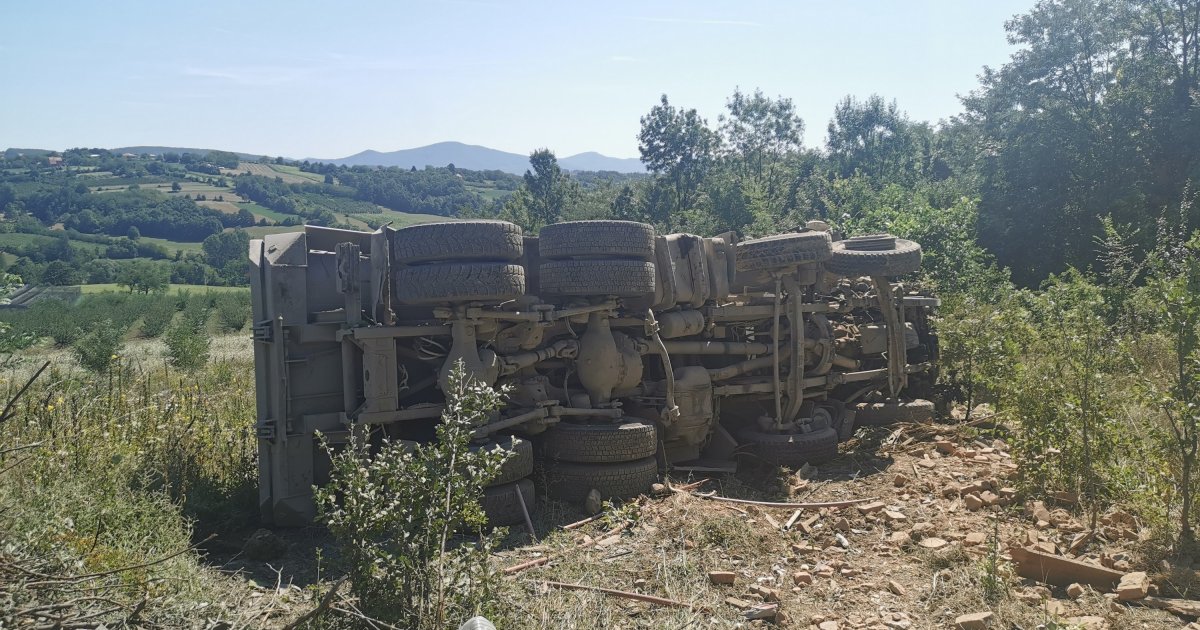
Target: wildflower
(49,407)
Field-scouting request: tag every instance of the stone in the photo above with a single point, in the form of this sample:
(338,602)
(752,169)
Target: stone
(896,588)
(1046,547)
(722,577)
(975,538)
(893,515)
(946,447)
(263,545)
(802,577)
(1075,591)
(1133,586)
(973,621)
(871,507)
(933,542)
(972,502)
(842,524)
(639,583)
(899,480)
(739,604)
(923,528)
(989,498)
(767,593)
(658,489)
(592,504)
(828,625)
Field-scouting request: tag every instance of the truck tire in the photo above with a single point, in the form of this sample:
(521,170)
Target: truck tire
(568,481)
(600,443)
(609,239)
(885,413)
(500,503)
(519,463)
(875,255)
(498,241)
(792,450)
(783,250)
(460,282)
(622,278)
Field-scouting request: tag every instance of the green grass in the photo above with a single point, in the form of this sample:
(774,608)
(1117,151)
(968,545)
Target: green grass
(295,170)
(12,240)
(489,193)
(259,231)
(263,212)
(172,246)
(89,289)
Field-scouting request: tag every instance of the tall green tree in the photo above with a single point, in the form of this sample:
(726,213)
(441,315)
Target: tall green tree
(874,138)
(550,190)
(761,134)
(678,147)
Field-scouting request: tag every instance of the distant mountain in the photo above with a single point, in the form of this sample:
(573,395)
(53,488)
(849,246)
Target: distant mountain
(478,158)
(161,150)
(592,161)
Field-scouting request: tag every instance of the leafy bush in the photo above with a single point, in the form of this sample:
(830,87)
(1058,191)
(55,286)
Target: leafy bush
(98,348)
(157,316)
(395,513)
(233,309)
(188,343)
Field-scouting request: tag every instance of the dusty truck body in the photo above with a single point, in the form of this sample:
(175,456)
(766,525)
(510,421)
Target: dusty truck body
(625,352)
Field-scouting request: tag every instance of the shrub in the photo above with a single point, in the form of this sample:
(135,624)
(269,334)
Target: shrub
(188,343)
(233,309)
(395,513)
(97,349)
(157,316)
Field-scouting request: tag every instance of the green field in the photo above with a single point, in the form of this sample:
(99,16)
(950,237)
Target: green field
(295,171)
(89,289)
(10,240)
(489,193)
(264,212)
(172,246)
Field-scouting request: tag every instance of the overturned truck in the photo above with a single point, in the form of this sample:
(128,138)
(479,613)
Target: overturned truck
(625,352)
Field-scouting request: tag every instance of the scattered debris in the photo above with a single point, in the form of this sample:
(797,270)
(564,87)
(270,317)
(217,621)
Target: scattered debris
(722,577)
(974,621)
(1133,586)
(661,601)
(1051,569)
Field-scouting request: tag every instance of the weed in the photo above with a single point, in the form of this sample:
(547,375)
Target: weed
(396,512)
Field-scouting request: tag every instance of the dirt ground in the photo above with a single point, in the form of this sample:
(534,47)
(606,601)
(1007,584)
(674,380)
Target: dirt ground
(913,552)
(912,549)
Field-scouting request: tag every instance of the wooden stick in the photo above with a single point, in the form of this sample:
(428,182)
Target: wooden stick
(799,506)
(691,486)
(661,601)
(8,408)
(320,609)
(525,513)
(792,521)
(537,562)
(578,524)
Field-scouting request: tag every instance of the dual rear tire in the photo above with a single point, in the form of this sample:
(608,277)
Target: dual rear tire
(616,459)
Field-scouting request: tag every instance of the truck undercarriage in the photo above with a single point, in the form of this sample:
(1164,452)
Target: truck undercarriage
(623,352)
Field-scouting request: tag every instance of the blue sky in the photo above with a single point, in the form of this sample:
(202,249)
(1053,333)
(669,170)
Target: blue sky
(303,79)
